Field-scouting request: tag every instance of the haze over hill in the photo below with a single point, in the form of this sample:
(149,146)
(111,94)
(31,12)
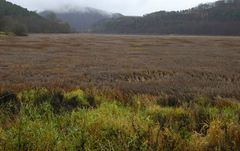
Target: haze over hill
(125,7)
(81,19)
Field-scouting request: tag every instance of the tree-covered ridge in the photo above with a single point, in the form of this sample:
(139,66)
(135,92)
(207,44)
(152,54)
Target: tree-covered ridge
(219,18)
(215,11)
(9,9)
(14,18)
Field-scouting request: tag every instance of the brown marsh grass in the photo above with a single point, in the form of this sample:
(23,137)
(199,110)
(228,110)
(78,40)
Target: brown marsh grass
(173,65)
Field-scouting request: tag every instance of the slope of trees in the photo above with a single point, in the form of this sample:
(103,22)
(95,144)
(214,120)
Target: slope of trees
(14,18)
(219,18)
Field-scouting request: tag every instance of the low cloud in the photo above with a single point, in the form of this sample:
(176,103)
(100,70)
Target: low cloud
(126,7)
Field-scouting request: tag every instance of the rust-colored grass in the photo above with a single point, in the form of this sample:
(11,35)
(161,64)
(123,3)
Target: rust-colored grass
(173,65)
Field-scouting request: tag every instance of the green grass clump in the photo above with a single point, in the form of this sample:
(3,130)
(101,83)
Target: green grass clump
(34,96)
(147,125)
(78,96)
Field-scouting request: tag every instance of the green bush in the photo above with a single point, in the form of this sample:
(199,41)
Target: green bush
(20,30)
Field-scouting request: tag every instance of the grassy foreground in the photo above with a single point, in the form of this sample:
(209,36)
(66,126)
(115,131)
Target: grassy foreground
(41,120)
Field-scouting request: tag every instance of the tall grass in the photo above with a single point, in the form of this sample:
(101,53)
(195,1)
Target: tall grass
(57,120)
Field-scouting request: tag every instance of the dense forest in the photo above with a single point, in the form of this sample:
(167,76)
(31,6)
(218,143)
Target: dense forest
(218,18)
(18,20)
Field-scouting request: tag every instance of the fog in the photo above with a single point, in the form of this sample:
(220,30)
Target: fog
(126,7)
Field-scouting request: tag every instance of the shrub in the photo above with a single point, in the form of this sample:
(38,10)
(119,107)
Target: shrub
(19,30)
(177,119)
(169,101)
(215,135)
(202,101)
(233,136)
(225,103)
(72,100)
(7,97)
(2,138)
(76,98)
(9,103)
(57,101)
(201,117)
(34,96)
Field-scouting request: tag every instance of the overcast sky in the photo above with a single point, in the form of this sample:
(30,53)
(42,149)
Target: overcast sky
(126,7)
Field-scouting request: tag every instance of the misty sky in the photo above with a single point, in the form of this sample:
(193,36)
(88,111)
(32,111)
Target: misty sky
(126,7)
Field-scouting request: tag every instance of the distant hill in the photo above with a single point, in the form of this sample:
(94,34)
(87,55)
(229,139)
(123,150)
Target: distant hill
(80,19)
(14,18)
(218,18)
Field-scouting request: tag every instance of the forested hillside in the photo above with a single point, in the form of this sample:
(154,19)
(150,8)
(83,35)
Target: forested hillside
(219,18)
(16,19)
